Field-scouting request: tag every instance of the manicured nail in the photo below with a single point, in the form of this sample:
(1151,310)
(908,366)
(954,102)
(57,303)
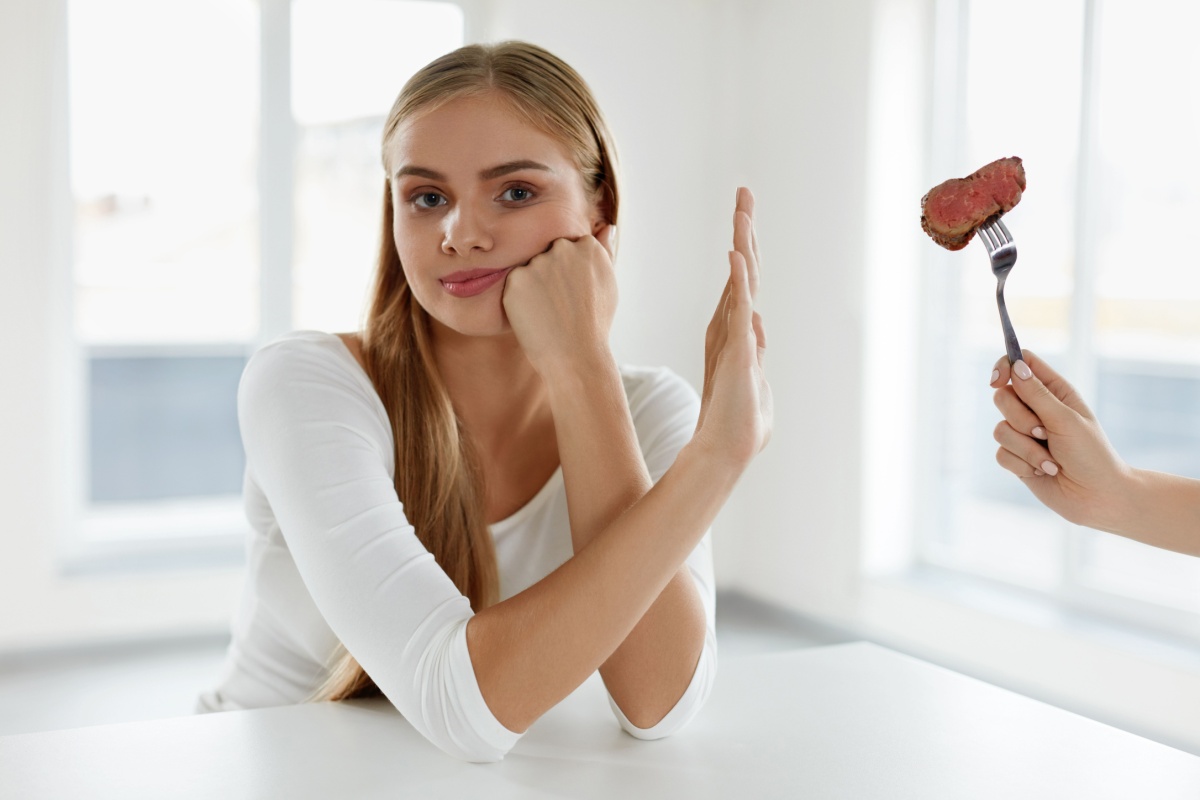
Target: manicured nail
(1022,370)
(1039,432)
(1050,467)
(995,376)
(1038,472)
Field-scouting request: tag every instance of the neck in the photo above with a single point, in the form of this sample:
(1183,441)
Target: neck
(496,392)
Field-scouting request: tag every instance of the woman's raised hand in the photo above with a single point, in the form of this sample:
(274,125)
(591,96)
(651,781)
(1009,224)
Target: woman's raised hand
(736,412)
(561,304)
(1051,440)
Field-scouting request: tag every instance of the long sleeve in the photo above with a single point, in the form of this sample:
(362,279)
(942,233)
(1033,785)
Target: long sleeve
(318,445)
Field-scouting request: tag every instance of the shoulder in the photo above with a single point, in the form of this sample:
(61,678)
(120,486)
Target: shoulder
(302,355)
(304,391)
(304,364)
(664,408)
(657,389)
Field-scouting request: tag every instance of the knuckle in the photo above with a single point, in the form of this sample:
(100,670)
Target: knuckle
(1000,431)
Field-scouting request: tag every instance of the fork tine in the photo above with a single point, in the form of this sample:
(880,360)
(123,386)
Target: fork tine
(1004,229)
(987,236)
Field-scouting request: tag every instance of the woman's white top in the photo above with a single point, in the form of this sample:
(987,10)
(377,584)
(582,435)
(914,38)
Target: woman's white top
(332,558)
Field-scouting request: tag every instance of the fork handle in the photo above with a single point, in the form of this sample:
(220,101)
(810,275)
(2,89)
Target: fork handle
(1010,336)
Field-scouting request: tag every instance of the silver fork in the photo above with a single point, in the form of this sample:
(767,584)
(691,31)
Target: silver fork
(1003,254)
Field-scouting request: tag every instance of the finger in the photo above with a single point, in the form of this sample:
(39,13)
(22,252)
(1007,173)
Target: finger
(607,236)
(741,243)
(1024,447)
(1001,372)
(1050,408)
(1017,413)
(1016,465)
(746,202)
(760,337)
(1059,386)
(741,308)
(716,325)
(744,236)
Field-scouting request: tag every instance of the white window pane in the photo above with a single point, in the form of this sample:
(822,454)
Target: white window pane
(1148,287)
(163,121)
(349,60)
(1151,412)
(163,426)
(1024,75)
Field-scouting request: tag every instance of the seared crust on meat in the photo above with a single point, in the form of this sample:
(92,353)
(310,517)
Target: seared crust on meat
(952,211)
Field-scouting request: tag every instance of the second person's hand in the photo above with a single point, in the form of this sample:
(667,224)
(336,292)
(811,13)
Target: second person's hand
(1052,441)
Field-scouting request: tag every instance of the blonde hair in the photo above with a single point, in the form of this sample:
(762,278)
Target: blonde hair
(437,474)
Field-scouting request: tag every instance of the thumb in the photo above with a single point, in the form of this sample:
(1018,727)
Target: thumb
(1050,408)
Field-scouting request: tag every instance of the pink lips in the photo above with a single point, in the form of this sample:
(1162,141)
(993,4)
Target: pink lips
(471,282)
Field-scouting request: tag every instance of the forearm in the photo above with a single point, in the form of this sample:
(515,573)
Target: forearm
(531,651)
(1162,510)
(605,474)
(602,464)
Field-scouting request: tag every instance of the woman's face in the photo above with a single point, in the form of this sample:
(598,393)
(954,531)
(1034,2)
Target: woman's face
(477,191)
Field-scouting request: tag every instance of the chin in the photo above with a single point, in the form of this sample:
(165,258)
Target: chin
(474,325)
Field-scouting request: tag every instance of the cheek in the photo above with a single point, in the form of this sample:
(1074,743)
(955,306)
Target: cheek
(560,221)
(407,239)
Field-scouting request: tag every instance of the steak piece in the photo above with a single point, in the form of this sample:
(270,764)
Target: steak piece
(952,211)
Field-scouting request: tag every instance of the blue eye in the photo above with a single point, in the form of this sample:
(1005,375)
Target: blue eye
(516,194)
(428,200)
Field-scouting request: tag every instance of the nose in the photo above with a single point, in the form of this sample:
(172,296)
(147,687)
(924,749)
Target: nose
(465,231)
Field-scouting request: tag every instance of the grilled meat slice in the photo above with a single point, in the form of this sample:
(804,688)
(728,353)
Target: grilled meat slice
(952,211)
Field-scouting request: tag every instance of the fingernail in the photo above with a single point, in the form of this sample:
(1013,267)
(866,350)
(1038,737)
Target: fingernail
(995,376)
(1038,472)
(1039,432)
(1022,370)
(1050,467)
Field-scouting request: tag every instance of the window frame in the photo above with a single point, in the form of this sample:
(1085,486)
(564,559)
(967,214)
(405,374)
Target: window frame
(196,532)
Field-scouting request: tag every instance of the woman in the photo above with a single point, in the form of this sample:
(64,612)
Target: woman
(469,506)
(1051,440)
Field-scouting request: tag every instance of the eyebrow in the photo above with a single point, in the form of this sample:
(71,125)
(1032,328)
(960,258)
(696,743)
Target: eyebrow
(488,174)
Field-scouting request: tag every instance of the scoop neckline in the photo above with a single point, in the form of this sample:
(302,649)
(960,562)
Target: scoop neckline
(535,503)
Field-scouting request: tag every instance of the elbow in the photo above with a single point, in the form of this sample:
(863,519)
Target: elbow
(440,698)
(687,707)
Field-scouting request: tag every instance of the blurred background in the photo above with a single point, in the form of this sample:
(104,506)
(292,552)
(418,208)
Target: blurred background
(182,182)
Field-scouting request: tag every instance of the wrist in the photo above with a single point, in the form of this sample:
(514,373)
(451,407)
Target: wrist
(579,373)
(1129,501)
(718,465)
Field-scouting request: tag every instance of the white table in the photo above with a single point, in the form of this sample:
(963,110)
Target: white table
(848,721)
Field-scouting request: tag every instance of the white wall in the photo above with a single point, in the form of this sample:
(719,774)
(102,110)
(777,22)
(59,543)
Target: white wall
(704,96)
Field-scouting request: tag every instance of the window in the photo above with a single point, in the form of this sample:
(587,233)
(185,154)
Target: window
(1099,99)
(191,248)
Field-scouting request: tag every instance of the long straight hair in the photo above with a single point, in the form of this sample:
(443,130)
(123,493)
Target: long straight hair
(438,478)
